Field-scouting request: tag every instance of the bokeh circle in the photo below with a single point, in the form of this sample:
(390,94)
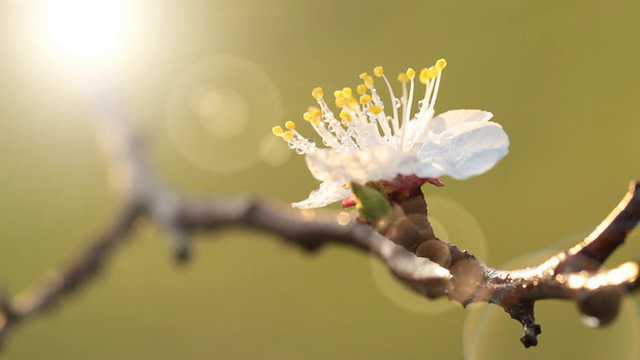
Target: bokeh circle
(219,112)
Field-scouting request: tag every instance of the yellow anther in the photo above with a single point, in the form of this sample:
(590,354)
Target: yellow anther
(411,73)
(352,103)
(277,130)
(441,64)
(313,115)
(347,92)
(425,75)
(403,78)
(378,71)
(338,94)
(312,111)
(365,99)
(340,102)
(288,135)
(290,125)
(345,114)
(317,93)
(375,109)
(367,79)
(361,89)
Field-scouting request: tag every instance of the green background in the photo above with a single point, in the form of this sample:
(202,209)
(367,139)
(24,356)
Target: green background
(560,76)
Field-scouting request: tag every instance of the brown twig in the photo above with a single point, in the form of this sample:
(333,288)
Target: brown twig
(573,274)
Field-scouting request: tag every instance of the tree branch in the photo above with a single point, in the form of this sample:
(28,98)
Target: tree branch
(574,274)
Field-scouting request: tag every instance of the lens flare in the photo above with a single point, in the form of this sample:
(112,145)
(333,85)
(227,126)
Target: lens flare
(219,110)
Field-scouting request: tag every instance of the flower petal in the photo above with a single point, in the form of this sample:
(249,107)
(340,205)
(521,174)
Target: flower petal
(464,150)
(453,119)
(329,192)
(377,163)
(322,165)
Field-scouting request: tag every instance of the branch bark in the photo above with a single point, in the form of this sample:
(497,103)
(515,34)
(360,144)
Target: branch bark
(574,274)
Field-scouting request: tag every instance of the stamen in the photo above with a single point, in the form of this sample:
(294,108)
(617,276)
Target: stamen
(375,109)
(429,87)
(334,135)
(345,115)
(313,115)
(431,78)
(403,78)
(426,75)
(317,93)
(352,103)
(394,120)
(406,113)
(410,73)
(436,88)
(290,125)
(365,99)
(362,122)
(378,117)
(367,79)
(288,135)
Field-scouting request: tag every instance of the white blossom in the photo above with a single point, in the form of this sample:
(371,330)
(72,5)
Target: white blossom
(371,141)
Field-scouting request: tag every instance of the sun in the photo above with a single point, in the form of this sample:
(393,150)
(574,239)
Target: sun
(84,27)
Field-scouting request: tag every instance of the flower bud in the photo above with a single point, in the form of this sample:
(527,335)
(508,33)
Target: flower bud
(373,205)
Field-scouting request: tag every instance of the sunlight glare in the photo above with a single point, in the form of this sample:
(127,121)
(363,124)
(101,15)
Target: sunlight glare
(84,27)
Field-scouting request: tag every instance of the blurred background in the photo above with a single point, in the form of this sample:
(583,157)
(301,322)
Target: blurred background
(207,80)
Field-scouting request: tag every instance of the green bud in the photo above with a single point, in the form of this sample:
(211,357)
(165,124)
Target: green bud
(373,205)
